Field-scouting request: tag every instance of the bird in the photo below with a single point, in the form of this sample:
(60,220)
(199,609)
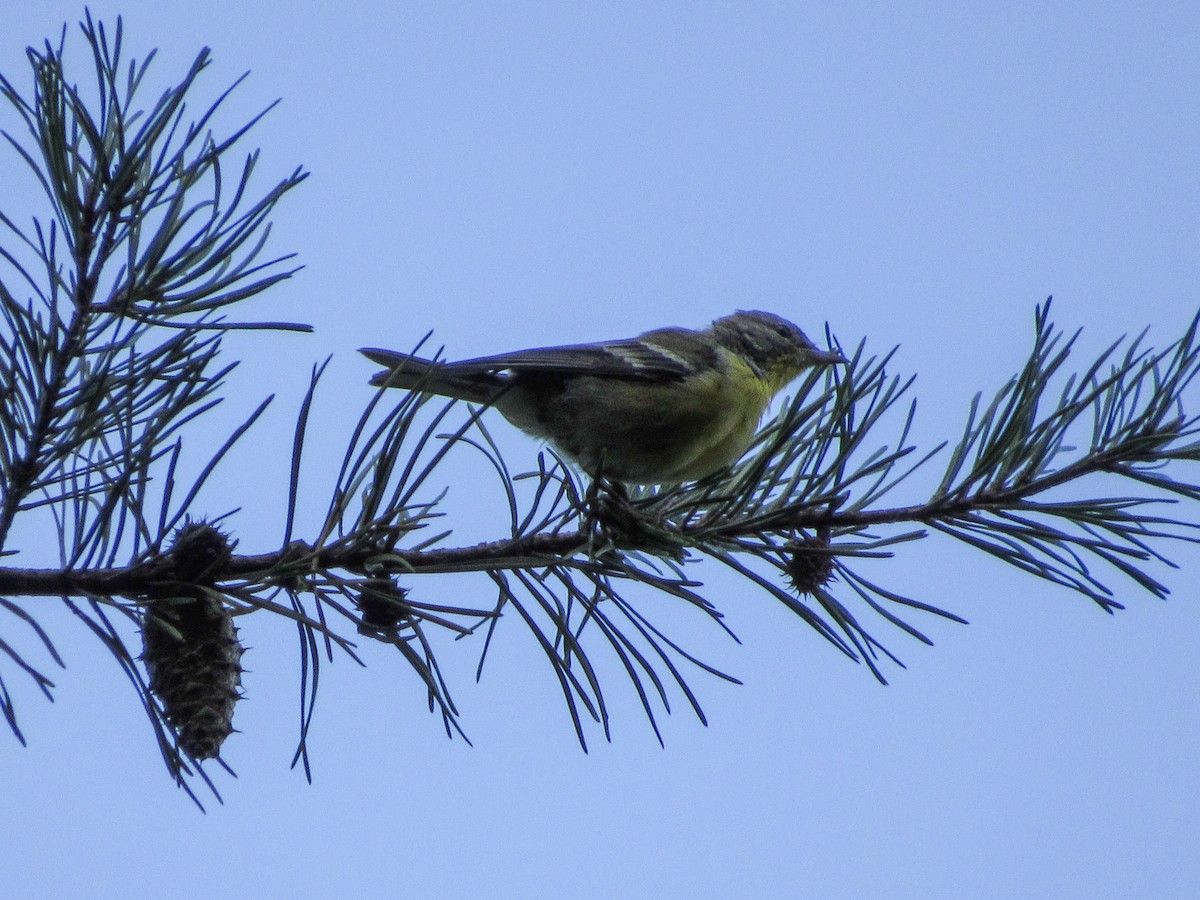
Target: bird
(669,406)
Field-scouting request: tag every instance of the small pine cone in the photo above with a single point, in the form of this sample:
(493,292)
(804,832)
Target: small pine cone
(198,551)
(192,653)
(383,606)
(809,563)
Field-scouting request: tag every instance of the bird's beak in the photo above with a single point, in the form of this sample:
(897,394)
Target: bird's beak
(826,358)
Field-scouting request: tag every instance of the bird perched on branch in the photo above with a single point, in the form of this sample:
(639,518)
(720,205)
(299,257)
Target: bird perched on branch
(668,406)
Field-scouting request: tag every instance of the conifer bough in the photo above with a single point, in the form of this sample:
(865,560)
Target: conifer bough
(113,306)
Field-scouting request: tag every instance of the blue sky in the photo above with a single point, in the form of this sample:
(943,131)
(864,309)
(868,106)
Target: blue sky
(915,174)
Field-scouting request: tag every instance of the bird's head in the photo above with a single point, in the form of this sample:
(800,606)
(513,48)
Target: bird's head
(776,349)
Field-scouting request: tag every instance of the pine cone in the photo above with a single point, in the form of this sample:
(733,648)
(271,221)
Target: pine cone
(192,653)
(382,604)
(189,643)
(198,551)
(809,563)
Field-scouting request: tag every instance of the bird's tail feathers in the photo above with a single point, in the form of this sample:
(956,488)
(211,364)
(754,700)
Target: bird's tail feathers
(414,373)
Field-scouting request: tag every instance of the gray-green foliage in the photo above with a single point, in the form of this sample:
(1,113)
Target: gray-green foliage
(114,306)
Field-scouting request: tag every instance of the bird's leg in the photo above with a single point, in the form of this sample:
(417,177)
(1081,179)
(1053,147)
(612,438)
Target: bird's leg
(610,511)
(614,521)
(626,525)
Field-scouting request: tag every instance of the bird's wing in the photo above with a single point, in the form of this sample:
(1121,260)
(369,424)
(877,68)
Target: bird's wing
(650,356)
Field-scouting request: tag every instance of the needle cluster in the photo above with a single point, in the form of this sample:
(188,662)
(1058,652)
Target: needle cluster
(113,305)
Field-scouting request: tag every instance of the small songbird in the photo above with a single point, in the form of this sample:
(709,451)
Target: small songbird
(668,406)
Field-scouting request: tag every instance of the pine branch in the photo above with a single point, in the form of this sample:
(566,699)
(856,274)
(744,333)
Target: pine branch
(116,351)
(805,478)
